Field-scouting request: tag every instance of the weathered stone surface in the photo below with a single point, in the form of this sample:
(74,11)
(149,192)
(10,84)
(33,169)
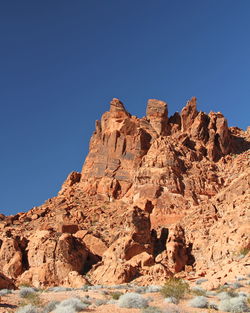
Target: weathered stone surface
(157,196)
(157,114)
(6,283)
(51,257)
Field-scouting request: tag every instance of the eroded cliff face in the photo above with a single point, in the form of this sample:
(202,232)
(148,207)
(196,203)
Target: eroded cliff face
(156,196)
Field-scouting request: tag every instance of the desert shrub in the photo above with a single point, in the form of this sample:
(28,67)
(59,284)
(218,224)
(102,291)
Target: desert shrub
(104,292)
(244,251)
(112,301)
(175,287)
(87,300)
(71,304)
(225,306)
(151,309)
(132,300)
(213,306)
(240,278)
(140,289)
(49,307)
(4,292)
(126,286)
(200,281)
(99,302)
(171,300)
(25,291)
(28,309)
(171,308)
(243,294)
(95,287)
(198,291)
(226,295)
(153,288)
(59,289)
(235,305)
(239,304)
(236,285)
(33,299)
(198,302)
(116,295)
(84,288)
(211,293)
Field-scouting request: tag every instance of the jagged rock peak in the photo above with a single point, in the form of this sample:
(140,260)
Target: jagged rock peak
(157,109)
(116,106)
(157,114)
(188,114)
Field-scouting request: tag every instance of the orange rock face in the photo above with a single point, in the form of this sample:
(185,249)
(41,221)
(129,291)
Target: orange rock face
(156,196)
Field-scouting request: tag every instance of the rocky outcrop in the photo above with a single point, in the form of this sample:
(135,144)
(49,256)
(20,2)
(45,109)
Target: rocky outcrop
(118,262)
(12,255)
(6,283)
(51,257)
(157,196)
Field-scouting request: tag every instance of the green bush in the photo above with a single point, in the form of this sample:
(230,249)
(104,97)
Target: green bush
(116,295)
(151,309)
(175,287)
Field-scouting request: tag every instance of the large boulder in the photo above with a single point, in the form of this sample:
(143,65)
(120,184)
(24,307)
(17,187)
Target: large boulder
(51,256)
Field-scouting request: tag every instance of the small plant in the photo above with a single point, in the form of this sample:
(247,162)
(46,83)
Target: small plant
(175,287)
(200,281)
(140,289)
(32,299)
(240,278)
(244,251)
(116,295)
(153,288)
(171,300)
(234,305)
(198,291)
(199,302)
(4,292)
(26,291)
(99,302)
(49,307)
(59,289)
(236,285)
(132,300)
(28,309)
(151,309)
(172,308)
(227,295)
(70,305)
(213,306)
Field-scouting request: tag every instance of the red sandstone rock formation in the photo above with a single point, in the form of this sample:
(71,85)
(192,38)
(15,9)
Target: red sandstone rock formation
(156,196)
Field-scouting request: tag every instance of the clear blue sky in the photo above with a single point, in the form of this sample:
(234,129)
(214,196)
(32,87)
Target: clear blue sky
(61,62)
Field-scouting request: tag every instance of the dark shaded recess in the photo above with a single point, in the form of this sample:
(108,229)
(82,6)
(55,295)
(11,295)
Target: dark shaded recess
(159,243)
(8,306)
(159,192)
(189,143)
(240,144)
(1,242)
(175,120)
(91,260)
(145,141)
(23,244)
(117,190)
(191,258)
